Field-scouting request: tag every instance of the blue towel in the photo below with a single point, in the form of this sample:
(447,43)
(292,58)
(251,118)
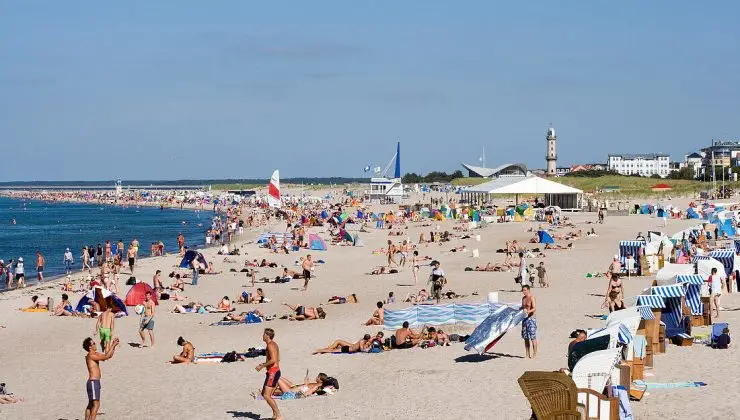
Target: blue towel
(656,385)
(625,410)
(640,345)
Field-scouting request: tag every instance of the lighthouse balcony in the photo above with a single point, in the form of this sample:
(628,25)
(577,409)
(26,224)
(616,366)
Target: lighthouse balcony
(553,157)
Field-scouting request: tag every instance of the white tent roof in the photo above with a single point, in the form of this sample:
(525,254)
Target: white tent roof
(522,185)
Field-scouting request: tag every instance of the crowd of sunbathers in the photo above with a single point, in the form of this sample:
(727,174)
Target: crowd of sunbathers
(403,338)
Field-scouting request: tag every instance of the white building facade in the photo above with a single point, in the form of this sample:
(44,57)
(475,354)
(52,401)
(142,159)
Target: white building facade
(640,164)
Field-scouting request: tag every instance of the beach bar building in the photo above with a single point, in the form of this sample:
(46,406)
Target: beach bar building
(555,194)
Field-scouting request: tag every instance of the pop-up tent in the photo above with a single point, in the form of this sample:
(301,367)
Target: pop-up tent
(104,298)
(316,243)
(544,237)
(137,294)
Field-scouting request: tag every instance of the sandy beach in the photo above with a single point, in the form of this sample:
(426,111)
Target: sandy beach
(41,357)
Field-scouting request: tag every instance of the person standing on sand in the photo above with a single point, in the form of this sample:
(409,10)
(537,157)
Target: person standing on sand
(92,360)
(119,249)
(135,245)
(180,241)
(529,325)
(391,253)
(105,327)
(69,259)
(131,258)
(20,273)
(147,320)
(40,266)
(272,375)
(108,251)
(307,266)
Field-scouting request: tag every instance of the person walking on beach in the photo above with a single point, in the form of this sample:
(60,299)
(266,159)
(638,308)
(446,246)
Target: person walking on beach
(92,360)
(307,266)
(69,259)
(391,254)
(415,267)
(119,249)
(523,275)
(105,327)
(195,265)
(715,290)
(272,375)
(135,246)
(180,241)
(131,258)
(99,255)
(20,273)
(85,260)
(40,266)
(529,325)
(108,251)
(147,320)
(10,273)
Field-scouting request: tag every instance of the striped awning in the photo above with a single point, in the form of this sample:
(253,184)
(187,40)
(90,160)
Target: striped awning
(694,279)
(723,253)
(671,291)
(700,257)
(646,313)
(624,336)
(633,244)
(651,301)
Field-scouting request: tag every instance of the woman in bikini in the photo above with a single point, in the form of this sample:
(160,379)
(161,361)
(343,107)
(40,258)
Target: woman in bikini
(615,294)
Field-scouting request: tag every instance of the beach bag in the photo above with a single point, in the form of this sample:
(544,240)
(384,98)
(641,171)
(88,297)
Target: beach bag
(164,296)
(518,279)
(229,357)
(131,281)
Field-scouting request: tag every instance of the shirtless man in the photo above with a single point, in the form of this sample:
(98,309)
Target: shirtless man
(131,254)
(157,282)
(92,360)
(40,266)
(105,326)
(529,325)
(188,352)
(347,347)
(378,316)
(391,253)
(272,376)
(147,320)
(307,266)
(404,251)
(405,338)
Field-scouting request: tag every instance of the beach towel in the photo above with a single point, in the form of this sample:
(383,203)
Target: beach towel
(490,331)
(652,386)
(35,310)
(639,344)
(625,409)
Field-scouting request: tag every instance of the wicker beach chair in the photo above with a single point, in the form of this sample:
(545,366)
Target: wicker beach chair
(552,395)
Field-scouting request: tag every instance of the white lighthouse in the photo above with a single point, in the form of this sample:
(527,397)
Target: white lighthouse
(552,157)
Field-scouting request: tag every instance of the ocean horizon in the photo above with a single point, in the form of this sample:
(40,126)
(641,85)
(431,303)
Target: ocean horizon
(30,225)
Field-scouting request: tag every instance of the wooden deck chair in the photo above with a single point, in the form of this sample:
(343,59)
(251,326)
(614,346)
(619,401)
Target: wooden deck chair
(597,406)
(552,395)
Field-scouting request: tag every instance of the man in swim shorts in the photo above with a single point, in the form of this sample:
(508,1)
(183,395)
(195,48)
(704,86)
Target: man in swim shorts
(147,319)
(529,325)
(105,327)
(92,360)
(272,376)
(307,267)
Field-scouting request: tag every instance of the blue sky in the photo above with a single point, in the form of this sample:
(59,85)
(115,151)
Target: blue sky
(193,89)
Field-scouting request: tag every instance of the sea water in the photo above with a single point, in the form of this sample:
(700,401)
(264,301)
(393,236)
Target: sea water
(50,227)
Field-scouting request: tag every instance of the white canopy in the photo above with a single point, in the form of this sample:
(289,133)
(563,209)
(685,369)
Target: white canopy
(522,185)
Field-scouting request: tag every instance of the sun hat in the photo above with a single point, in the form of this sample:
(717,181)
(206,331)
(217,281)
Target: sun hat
(20,259)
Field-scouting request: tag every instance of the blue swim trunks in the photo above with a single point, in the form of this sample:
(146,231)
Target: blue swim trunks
(529,329)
